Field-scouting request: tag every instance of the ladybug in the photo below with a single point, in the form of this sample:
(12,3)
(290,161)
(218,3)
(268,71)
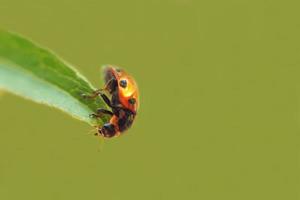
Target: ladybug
(123,101)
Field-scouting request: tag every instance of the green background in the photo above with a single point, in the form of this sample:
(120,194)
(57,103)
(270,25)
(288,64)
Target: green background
(219,116)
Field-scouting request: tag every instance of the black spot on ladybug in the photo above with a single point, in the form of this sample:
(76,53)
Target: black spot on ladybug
(123,83)
(132,101)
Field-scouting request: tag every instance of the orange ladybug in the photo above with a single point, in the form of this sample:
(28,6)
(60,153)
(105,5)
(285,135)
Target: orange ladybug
(124,101)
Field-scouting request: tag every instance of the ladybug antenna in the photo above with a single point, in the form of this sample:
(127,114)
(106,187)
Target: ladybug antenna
(101,143)
(92,132)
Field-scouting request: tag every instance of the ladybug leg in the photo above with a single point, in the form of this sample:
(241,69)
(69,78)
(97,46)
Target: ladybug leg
(106,99)
(97,93)
(111,85)
(100,112)
(104,111)
(93,95)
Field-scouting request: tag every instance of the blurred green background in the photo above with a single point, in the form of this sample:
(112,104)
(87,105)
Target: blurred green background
(219,115)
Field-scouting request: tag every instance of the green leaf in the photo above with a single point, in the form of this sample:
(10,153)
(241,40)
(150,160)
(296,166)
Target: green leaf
(35,73)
